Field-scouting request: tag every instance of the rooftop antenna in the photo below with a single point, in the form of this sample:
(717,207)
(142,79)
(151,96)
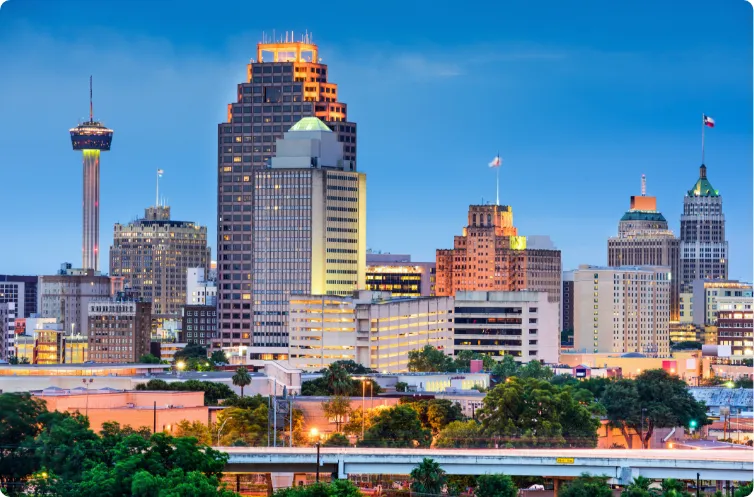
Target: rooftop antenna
(91,106)
(643,185)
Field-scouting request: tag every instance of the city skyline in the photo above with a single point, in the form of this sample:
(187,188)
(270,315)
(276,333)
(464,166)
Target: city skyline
(562,127)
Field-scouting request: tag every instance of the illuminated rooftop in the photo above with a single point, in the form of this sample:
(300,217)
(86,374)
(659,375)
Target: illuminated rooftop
(91,135)
(286,49)
(310,124)
(703,188)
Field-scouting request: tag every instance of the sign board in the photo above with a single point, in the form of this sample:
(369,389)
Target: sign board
(564,460)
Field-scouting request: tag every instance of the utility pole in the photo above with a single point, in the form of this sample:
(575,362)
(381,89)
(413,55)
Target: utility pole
(154,418)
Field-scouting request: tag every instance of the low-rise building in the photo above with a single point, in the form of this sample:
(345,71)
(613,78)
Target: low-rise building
(119,330)
(734,329)
(712,296)
(198,324)
(522,324)
(395,273)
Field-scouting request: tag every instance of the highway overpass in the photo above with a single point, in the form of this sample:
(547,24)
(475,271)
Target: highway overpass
(620,465)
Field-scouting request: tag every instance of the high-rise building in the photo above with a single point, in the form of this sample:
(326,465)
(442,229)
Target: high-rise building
(7,329)
(153,254)
(704,250)
(119,330)
(66,297)
(566,312)
(91,138)
(198,324)
(285,83)
(644,239)
(521,324)
(373,329)
(713,296)
(395,273)
(622,309)
(308,232)
(22,290)
(491,256)
(200,290)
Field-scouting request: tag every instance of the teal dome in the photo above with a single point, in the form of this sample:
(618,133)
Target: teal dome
(310,124)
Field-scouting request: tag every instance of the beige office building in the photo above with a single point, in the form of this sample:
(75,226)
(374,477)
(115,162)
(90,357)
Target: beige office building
(644,239)
(370,328)
(153,255)
(119,331)
(622,309)
(66,297)
(308,236)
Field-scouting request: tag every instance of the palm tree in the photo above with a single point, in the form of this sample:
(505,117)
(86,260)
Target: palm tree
(241,378)
(338,379)
(428,477)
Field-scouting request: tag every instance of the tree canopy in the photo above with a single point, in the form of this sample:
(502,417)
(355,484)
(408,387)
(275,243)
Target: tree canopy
(213,392)
(397,426)
(429,360)
(428,478)
(336,380)
(661,399)
(241,378)
(496,485)
(586,486)
(336,488)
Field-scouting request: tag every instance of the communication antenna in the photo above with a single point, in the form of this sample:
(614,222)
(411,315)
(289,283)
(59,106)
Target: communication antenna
(643,185)
(91,106)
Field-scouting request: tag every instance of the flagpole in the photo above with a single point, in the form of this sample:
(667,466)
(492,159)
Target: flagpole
(497,185)
(703,126)
(157,193)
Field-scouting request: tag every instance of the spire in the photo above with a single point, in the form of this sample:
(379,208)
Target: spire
(703,172)
(643,185)
(91,106)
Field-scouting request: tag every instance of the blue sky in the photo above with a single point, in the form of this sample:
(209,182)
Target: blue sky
(580,98)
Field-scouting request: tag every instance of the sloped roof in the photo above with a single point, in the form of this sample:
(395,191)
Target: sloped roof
(310,124)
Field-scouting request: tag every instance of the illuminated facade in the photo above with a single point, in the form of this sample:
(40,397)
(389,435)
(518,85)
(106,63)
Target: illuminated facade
(704,250)
(371,328)
(119,331)
(91,138)
(713,296)
(285,83)
(153,256)
(395,273)
(522,324)
(734,328)
(491,256)
(622,309)
(308,232)
(644,239)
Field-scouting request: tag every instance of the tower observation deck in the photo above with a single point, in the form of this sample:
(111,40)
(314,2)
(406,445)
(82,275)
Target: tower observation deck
(91,138)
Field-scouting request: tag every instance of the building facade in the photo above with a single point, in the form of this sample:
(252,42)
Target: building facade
(704,249)
(567,298)
(153,254)
(119,330)
(622,309)
(309,237)
(66,297)
(7,330)
(644,239)
(373,329)
(21,290)
(395,273)
(522,324)
(200,290)
(491,256)
(734,329)
(713,296)
(285,83)
(198,324)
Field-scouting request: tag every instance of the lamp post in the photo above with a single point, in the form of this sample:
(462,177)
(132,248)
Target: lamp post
(363,406)
(87,383)
(180,365)
(315,434)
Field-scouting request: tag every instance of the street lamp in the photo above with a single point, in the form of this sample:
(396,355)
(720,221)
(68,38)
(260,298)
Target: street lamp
(87,383)
(180,365)
(315,434)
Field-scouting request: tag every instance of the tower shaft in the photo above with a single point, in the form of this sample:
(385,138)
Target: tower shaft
(90,204)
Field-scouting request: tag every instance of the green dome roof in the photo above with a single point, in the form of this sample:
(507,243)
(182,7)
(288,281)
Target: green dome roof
(310,124)
(703,188)
(643,216)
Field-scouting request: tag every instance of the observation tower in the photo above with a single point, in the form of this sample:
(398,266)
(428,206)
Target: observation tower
(91,138)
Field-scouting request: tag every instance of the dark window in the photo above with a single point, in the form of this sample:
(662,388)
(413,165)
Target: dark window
(272,94)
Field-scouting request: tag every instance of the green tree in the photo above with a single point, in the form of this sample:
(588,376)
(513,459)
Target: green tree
(586,486)
(664,397)
(241,378)
(247,424)
(495,486)
(462,361)
(506,367)
(149,359)
(191,351)
(674,488)
(442,412)
(337,488)
(213,392)
(461,434)
(687,345)
(177,483)
(337,408)
(401,386)
(19,421)
(639,487)
(356,422)
(398,426)
(744,490)
(353,367)
(535,369)
(428,478)
(744,382)
(219,357)
(337,440)
(429,360)
(536,412)
(194,429)
(338,379)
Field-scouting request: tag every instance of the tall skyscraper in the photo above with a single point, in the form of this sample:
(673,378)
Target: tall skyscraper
(91,138)
(309,237)
(491,256)
(153,255)
(704,250)
(622,309)
(644,239)
(285,83)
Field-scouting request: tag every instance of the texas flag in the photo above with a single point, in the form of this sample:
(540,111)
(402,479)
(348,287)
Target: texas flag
(496,162)
(708,121)
(160,172)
